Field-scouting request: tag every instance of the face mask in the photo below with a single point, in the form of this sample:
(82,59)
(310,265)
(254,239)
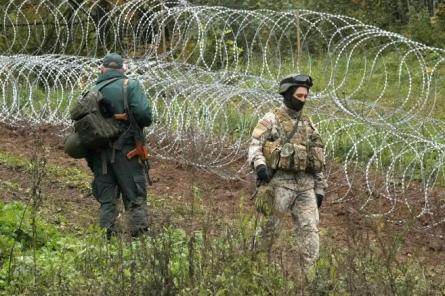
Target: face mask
(290,101)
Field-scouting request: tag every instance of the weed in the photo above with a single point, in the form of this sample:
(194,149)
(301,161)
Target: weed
(72,177)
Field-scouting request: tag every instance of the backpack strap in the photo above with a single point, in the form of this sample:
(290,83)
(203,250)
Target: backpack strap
(294,130)
(125,95)
(98,87)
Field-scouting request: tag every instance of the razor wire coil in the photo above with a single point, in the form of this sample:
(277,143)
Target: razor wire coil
(211,72)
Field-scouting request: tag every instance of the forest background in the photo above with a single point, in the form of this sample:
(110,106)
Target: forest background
(420,20)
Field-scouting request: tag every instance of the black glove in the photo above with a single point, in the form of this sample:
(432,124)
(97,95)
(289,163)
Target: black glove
(262,174)
(319,199)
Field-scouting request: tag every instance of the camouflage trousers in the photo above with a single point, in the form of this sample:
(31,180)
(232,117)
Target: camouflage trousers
(303,207)
(115,175)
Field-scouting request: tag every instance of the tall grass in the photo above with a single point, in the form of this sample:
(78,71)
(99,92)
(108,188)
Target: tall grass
(203,261)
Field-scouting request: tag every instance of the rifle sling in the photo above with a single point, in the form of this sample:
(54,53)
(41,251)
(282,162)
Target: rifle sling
(106,82)
(294,130)
(127,109)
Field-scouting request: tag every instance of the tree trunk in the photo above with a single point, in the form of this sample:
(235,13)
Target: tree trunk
(402,11)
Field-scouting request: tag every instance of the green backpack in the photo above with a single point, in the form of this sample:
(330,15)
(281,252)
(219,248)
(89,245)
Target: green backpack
(93,131)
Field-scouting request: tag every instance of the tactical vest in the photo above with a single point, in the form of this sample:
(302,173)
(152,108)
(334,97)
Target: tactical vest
(302,153)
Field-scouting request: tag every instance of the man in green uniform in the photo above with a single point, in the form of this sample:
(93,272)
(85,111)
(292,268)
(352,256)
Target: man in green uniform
(114,172)
(286,152)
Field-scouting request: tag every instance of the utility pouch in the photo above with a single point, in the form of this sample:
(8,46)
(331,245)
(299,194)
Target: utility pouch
(271,152)
(95,131)
(85,106)
(300,158)
(286,157)
(316,159)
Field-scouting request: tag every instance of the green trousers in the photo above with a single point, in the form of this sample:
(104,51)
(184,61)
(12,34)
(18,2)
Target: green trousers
(115,175)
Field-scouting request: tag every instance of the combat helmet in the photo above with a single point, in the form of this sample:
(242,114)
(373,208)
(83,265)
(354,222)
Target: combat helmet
(297,80)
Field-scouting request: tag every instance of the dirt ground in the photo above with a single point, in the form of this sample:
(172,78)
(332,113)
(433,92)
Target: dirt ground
(177,186)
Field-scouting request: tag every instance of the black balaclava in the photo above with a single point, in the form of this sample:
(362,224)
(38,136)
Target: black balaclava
(290,101)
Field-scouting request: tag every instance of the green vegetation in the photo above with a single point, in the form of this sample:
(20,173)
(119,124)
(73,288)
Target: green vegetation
(369,264)
(423,21)
(73,177)
(170,262)
(173,261)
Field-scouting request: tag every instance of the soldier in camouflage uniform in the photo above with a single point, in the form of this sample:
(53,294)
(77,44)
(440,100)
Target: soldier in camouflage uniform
(286,152)
(114,173)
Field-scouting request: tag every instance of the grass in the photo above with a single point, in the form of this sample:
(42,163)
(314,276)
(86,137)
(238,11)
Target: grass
(177,261)
(72,177)
(169,262)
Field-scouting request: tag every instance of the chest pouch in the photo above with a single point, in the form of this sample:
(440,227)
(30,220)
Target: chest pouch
(286,157)
(316,159)
(300,158)
(95,131)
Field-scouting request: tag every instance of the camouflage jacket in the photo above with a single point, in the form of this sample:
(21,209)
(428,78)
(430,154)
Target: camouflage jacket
(269,128)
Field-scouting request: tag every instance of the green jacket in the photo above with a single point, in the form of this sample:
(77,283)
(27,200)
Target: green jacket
(137,100)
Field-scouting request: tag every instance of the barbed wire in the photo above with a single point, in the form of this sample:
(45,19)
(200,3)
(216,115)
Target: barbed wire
(211,72)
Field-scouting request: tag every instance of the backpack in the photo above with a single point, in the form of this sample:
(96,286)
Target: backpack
(93,130)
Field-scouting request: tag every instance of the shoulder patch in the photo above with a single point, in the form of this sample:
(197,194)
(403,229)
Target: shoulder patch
(262,126)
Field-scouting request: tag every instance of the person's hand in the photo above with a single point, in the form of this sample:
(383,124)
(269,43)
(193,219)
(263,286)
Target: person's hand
(319,199)
(262,174)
